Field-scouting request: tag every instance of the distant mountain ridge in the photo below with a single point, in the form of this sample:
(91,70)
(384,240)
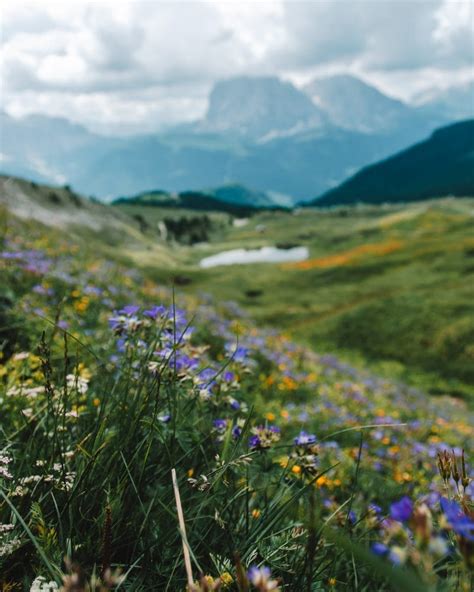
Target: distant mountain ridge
(440,166)
(353,104)
(232,198)
(264,133)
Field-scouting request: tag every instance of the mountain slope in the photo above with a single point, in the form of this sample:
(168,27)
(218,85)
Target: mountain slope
(441,165)
(59,207)
(454,103)
(352,104)
(49,149)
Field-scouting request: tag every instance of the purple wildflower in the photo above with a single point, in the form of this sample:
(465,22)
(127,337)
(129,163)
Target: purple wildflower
(380,549)
(461,523)
(304,439)
(402,510)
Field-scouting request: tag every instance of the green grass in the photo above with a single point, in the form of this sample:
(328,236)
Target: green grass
(408,313)
(96,414)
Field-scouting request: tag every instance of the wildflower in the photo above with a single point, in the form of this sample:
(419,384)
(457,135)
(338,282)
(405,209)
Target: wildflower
(9,547)
(129,310)
(402,510)
(260,577)
(234,404)
(264,436)
(40,584)
(206,584)
(438,546)
(154,312)
(397,555)
(5,460)
(236,432)
(306,453)
(461,523)
(226,579)
(304,439)
(78,383)
(375,509)
(380,549)
(220,425)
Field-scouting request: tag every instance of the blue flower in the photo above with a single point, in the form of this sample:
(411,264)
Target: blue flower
(235,405)
(228,376)
(379,549)
(402,510)
(220,424)
(236,431)
(154,312)
(305,439)
(462,524)
(129,310)
(254,441)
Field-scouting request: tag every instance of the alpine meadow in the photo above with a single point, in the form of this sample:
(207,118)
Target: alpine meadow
(237,296)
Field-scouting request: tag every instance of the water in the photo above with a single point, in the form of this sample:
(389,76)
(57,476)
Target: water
(263,255)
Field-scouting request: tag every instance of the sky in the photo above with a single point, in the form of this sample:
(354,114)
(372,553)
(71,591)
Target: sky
(123,67)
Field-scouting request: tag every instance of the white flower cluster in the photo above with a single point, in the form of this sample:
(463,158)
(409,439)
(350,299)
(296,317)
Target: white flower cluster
(77,383)
(5,460)
(41,585)
(5,528)
(7,547)
(30,392)
(63,481)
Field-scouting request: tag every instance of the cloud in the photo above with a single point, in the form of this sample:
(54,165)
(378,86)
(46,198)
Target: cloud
(141,64)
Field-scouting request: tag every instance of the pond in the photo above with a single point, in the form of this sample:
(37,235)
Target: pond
(263,255)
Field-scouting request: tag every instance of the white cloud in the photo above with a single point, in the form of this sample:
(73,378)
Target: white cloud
(136,65)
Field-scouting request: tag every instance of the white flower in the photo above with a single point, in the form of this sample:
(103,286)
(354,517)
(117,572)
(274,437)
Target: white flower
(41,585)
(78,383)
(5,460)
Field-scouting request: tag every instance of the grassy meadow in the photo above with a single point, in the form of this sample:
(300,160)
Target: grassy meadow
(388,287)
(285,397)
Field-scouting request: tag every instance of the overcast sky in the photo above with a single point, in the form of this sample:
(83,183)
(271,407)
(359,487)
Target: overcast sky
(118,66)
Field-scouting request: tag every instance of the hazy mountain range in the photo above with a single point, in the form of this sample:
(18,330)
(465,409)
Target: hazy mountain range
(260,132)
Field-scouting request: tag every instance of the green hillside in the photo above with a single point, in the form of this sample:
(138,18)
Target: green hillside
(442,165)
(388,287)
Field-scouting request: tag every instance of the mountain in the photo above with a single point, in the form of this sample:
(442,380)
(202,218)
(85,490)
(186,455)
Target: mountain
(262,133)
(440,166)
(259,108)
(296,166)
(454,103)
(48,149)
(351,103)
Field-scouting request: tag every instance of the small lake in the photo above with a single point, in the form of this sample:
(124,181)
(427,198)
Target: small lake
(263,255)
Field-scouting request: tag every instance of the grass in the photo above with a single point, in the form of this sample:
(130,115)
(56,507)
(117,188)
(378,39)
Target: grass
(390,286)
(285,459)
